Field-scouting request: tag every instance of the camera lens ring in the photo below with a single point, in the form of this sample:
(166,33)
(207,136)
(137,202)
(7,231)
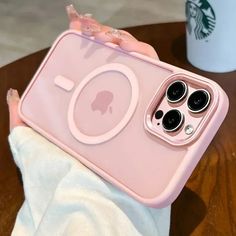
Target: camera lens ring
(171,90)
(172,116)
(205,103)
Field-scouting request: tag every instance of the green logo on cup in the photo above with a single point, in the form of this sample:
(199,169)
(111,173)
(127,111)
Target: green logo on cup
(201,18)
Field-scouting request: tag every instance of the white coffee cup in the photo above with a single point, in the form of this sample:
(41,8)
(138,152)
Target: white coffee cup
(211,34)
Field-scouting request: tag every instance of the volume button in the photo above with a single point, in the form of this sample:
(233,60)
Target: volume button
(113,45)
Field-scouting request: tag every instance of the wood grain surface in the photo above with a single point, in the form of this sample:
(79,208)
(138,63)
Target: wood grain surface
(207,204)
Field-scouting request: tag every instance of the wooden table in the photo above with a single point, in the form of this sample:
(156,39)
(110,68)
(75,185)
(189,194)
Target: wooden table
(207,204)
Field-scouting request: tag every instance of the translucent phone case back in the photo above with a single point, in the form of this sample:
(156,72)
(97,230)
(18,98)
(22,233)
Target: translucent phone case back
(91,99)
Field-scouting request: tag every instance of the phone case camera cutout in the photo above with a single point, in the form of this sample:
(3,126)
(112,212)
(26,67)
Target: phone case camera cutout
(180,109)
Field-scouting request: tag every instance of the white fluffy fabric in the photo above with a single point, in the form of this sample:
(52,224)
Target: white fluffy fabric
(63,197)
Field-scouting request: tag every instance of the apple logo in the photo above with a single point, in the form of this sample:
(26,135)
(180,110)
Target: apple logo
(102,101)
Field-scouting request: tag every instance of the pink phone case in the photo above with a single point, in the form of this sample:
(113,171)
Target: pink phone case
(98,103)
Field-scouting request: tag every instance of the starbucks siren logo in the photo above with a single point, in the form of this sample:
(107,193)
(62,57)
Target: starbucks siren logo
(201,18)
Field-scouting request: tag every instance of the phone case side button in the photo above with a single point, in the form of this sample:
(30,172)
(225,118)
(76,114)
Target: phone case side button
(64,83)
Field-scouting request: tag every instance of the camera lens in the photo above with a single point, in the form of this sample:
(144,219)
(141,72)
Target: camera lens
(172,120)
(198,101)
(176,91)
